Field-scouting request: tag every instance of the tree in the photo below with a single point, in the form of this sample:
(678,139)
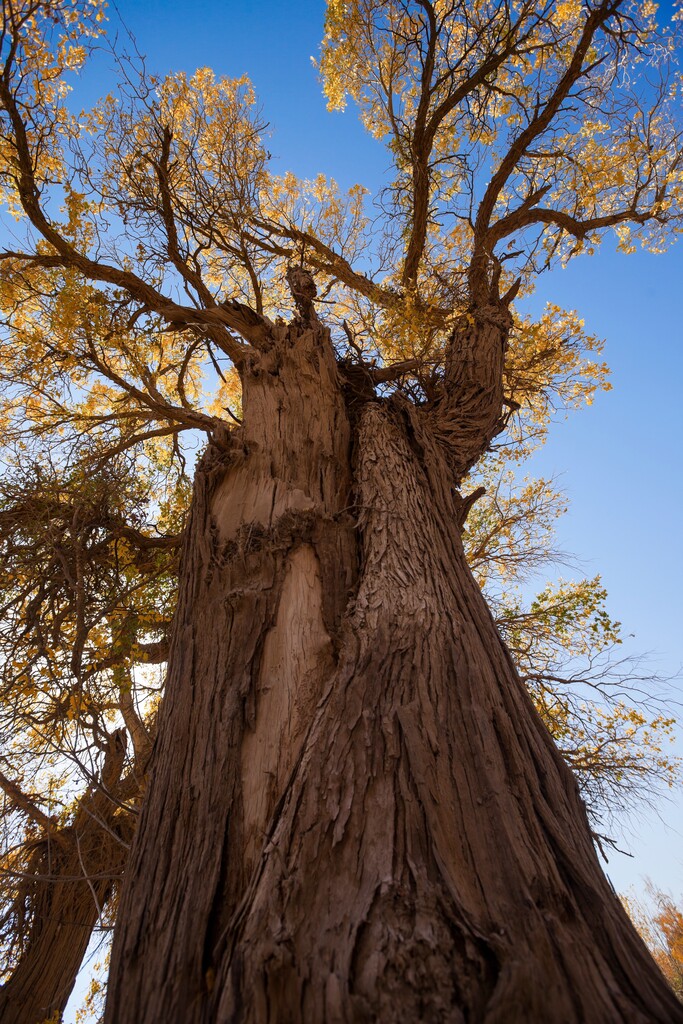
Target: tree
(81,586)
(612,745)
(344,746)
(74,685)
(662,930)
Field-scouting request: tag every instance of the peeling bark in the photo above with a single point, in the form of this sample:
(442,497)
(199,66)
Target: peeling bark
(355,812)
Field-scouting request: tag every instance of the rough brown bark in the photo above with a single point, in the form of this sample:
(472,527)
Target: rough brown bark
(69,879)
(355,813)
(274,562)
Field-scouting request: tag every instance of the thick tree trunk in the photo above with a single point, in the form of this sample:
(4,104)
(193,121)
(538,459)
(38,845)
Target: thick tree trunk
(69,881)
(355,813)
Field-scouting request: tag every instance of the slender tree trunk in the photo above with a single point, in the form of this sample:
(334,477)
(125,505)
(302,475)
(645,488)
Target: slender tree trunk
(69,880)
(355,812)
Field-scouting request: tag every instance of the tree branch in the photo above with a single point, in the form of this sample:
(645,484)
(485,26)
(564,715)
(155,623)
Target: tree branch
(231,315)
(324,259)
(162,170)
(25,804)
(539,123)
(425,130)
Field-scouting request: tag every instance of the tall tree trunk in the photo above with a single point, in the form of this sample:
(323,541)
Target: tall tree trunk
(355,812)
(69,879)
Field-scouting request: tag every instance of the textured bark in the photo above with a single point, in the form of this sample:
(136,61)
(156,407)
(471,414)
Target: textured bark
(69,880)
(355,813)
(270,560)
(470,414)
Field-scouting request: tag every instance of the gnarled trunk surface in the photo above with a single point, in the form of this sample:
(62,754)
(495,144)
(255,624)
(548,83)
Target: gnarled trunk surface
(355,812)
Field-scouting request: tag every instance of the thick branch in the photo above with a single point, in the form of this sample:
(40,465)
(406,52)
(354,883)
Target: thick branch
(191,277)
(426,129)
(25,804)
(572,225)
(470,414)
(61,895)
(388,374)
(536,127)
(420,152)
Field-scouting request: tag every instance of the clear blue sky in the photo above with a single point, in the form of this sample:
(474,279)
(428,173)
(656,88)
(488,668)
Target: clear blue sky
(620,461)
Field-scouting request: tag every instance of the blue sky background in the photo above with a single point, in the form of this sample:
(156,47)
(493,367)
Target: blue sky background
(619,461)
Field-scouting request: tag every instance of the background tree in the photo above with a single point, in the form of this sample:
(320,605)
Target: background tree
(660,922)
(82,588)
(283,760)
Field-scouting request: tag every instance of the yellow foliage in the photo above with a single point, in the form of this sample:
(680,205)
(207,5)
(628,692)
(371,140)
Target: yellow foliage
(659,920)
